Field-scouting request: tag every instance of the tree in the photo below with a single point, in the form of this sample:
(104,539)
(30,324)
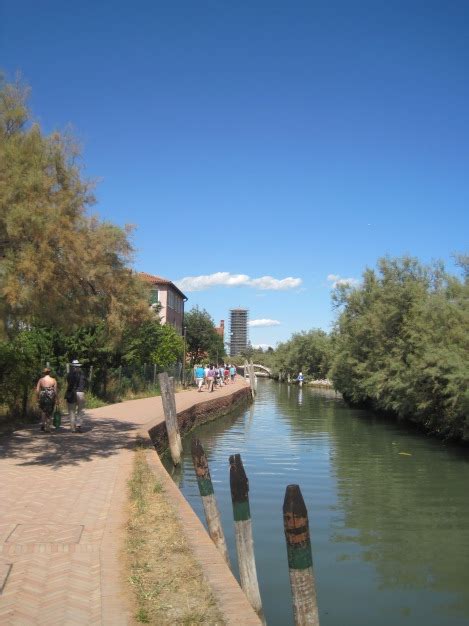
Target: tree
(59,266)
(309,352)
(401,345)
(203,342)
(170,348)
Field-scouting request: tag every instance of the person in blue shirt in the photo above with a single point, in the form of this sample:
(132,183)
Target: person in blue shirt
(300,379)
(199,374)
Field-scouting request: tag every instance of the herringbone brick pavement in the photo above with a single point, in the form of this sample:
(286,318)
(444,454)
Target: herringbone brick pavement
(62,516)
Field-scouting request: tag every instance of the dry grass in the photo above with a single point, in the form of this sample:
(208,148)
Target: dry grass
(167,582)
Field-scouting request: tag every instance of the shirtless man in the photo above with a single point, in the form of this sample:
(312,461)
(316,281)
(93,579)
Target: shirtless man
(46,392)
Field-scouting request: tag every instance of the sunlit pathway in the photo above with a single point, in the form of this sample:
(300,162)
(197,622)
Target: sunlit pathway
(62,515)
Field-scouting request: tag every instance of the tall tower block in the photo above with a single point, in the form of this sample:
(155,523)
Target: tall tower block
(238,331)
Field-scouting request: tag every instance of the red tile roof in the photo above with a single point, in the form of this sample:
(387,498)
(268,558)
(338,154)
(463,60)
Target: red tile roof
(158,280)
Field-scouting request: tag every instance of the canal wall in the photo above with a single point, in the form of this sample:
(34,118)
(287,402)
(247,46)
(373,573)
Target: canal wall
(200,413)
(229,596)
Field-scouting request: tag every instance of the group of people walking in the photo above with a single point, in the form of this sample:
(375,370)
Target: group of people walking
(48,398)
(213,376)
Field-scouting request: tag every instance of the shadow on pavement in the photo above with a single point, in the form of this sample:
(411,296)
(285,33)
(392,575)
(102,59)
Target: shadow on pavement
(100,438)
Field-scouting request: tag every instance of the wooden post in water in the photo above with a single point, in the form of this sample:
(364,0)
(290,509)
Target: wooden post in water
(300,559)
(254,377)
(169,408)
(212,514)
(243,530)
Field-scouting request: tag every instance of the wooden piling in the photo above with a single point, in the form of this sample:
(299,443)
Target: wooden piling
(254,377)
(249,374)
(169,408)
(243,530)
(300,560)
(212,514)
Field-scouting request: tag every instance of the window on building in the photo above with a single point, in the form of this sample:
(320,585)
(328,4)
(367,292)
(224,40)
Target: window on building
(154,296)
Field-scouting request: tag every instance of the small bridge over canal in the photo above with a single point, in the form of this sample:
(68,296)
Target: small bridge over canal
(259,370)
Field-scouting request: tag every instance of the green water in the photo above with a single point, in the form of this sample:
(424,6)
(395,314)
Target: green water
(390,532)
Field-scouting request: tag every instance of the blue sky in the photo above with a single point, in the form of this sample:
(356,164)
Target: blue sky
(293,140)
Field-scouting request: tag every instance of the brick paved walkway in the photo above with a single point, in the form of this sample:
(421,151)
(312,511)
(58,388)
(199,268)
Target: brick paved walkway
(62,499)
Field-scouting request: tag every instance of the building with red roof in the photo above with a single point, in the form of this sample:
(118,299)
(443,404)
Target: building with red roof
(169,297)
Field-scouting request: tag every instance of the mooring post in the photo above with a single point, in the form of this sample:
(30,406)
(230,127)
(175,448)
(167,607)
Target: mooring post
(254,377)
(252,380)
(300,559)
(169,408)
(212,514)
(239,485)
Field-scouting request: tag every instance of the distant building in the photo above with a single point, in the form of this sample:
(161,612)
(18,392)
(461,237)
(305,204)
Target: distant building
(220,330)
(238,331)
(170,298)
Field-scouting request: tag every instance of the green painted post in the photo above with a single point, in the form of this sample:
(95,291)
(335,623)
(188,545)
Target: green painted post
(212,514)
(300,559)
(239,485)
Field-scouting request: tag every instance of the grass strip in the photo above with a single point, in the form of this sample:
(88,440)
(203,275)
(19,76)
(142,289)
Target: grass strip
(167,582)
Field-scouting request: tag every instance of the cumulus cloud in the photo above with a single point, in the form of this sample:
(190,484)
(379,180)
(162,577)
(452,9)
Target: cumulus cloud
(225,279)
(263,322)
(264,346)
(337,280)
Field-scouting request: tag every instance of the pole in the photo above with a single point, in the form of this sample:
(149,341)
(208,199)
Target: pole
(154,374)
(300,560)
(169,408)
(254,377)
(239,485)
(212,514)
(184,361)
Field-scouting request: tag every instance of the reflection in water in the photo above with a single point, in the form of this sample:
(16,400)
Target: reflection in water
(390,532)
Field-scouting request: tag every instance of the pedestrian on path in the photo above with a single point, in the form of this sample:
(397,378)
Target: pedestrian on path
(199,376)
(210,378)
(46,391)
(75,395)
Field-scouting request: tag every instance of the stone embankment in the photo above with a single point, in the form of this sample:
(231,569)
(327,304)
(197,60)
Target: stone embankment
(62,519)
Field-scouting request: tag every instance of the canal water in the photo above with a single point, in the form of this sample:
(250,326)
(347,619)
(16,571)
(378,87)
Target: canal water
(388,508)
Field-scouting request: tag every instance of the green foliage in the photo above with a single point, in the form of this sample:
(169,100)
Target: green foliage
(66,287)
(308,352)
(21,361)
(59,266)
(203,342)
(170,348)
(401,344)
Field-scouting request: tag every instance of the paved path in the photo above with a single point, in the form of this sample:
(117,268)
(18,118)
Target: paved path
(62,498)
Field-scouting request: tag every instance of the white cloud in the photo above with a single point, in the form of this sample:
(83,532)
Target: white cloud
(225,279)
(263,322)
(264,346)
(337,280)
(267,282)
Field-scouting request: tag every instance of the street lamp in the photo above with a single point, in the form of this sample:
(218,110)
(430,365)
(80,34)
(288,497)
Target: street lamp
(184,360)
